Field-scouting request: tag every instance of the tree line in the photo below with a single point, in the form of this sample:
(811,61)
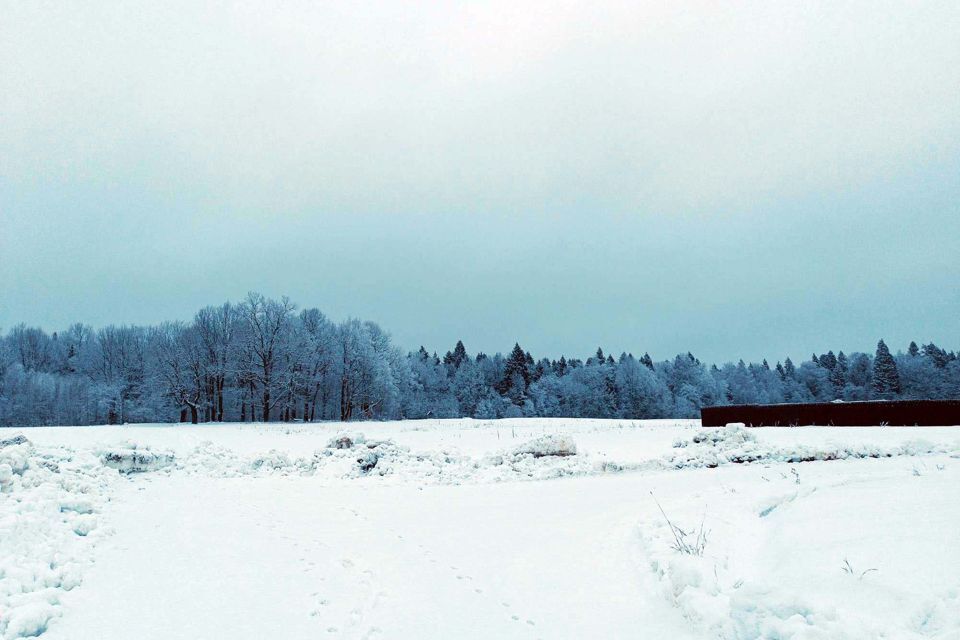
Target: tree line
(265,360)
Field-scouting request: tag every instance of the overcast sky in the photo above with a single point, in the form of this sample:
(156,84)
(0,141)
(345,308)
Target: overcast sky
(758,180)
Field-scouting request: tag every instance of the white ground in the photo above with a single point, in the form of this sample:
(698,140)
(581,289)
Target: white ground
(459,531)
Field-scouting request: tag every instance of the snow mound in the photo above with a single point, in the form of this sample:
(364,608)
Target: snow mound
(135,458)
(734,444)
(352,456)
(48,529)
(16,439)
(346,440)
(548,445)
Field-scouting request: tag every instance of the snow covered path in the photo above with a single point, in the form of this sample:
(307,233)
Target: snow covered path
(284,557)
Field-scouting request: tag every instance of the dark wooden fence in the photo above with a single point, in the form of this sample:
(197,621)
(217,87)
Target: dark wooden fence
(910,413)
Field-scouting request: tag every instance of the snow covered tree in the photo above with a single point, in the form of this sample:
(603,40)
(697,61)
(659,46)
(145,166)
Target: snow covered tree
(217,329)
(267,327)
(838,374)
(886,380)
(516,376)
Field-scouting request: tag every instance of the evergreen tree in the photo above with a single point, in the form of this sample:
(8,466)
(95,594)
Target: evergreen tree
(781,372)
(828,360)
(838,375)
(886,380)
(456,357)
(599,358)
(647,361)
(913,350)
(789,370)
(939,356)
(459,354)
(560,367)
(515,373)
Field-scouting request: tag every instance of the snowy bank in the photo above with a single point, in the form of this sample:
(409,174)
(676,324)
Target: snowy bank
(831,551)
(50,501)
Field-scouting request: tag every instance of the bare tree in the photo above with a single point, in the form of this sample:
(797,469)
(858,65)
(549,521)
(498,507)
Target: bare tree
(118,367)
(178,356)
(268,324)
(217,329)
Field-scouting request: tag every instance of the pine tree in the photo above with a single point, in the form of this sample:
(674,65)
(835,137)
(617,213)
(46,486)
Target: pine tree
(781,372)
(459,354)
(647,361)
(886,380)
(560,366)
(838,375)
(913,350)
(828,360)
(788,369)
(515,370)
(939,356)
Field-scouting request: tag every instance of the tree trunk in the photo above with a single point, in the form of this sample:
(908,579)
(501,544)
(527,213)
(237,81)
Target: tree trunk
(220,399)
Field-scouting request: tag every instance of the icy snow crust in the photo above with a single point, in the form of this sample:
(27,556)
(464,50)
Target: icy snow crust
(54,501)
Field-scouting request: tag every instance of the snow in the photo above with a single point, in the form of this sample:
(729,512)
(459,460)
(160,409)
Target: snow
(520,528)
(49,496)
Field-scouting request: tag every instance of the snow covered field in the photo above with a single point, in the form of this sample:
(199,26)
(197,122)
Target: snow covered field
(529,528)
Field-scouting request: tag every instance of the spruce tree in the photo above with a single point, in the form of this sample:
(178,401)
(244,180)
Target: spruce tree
(459,354)
(647,361)
(886,380)
(828,360)
(514,371)
(838,375)
(789,370)
(913,350)
(939,356)
(560,367)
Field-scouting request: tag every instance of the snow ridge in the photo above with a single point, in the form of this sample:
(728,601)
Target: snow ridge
(50,501)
